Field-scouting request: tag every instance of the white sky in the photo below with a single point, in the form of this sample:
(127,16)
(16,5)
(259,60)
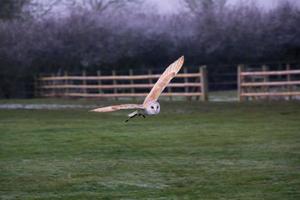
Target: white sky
(170,6)
(166,6)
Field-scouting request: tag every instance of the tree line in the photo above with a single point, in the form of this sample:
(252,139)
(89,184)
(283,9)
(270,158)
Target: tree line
(108,34)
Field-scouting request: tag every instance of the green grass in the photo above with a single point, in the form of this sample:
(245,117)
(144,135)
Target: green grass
(190,151)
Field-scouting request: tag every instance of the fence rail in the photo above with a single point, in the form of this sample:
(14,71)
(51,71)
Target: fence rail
(265,84)
(114,86)
(120,77)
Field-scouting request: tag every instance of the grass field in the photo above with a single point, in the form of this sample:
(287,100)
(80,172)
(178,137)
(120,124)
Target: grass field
(190,151)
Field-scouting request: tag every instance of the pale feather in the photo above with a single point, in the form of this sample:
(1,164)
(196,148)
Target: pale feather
(118,107)
(163,81)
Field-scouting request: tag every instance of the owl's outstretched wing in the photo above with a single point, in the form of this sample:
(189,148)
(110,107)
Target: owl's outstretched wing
(164,80)
(118,107)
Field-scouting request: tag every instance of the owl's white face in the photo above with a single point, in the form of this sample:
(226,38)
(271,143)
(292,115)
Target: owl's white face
(152,108)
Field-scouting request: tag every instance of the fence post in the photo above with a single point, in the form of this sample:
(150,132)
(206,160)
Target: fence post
(265,79)
(115,83)
(200,85)
(132,90)
(204,90)
(186,88)
(150,79)
(288,67)
(53,83)
(99,81)
(240,81)
(66,83)
(84,83)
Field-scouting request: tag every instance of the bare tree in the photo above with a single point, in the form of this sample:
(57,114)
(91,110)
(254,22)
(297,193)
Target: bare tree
(42,8)
(99,5)
(11,9)
(199,6)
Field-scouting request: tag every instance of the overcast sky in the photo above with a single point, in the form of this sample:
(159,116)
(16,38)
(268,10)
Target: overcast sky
(169,6)
(172,6)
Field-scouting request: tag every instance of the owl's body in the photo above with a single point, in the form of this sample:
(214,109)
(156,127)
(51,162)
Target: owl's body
(150,105)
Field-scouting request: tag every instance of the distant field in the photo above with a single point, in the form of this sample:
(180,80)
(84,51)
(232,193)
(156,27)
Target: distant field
(190,151)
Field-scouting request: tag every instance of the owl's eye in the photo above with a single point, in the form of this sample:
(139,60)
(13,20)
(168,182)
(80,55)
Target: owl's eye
(152,107)
(156,107)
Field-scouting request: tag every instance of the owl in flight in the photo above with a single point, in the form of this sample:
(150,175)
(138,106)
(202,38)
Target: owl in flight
(150,105)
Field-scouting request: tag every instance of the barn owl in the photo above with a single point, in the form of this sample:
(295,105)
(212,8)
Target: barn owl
(150,105)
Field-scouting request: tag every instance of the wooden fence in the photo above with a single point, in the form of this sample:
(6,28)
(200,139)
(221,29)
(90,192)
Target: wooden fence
(115,86)
(264,84)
